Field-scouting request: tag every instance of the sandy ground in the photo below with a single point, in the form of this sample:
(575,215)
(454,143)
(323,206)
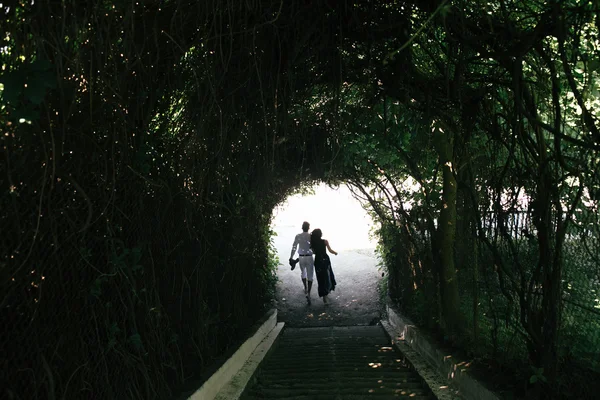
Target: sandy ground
(354,301)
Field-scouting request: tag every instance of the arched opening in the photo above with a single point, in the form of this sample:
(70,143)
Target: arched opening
(332,209)
(347,226)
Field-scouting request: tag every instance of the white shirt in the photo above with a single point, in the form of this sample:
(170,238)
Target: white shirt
(302,242)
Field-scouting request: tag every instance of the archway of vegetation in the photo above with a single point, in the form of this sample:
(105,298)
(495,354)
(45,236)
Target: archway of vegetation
(140,140)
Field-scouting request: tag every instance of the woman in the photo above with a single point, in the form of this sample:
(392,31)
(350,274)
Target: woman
(325,277)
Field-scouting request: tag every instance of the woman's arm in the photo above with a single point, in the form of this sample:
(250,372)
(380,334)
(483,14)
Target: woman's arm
(329,248)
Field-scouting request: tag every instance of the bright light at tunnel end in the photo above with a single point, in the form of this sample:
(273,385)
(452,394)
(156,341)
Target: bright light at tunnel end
(333,210)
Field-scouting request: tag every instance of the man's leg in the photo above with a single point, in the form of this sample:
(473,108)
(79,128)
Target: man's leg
(309,267)
(303,273)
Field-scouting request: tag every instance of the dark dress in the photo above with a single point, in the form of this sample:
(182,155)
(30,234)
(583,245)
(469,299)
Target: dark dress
(325,277)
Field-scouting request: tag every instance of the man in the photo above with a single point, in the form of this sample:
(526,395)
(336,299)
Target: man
(307,268)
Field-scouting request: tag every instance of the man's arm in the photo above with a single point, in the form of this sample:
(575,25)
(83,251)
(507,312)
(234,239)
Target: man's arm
(295,246)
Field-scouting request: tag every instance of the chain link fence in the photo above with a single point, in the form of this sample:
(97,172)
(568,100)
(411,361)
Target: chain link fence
(490,304)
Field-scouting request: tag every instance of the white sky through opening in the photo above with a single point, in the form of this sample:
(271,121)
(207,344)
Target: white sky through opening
(339,215)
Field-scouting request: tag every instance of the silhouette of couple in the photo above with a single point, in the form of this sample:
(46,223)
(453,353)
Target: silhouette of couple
(309,244)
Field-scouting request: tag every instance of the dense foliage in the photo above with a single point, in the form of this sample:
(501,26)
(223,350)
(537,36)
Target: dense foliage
(142,154)
(146,143)
(475,142)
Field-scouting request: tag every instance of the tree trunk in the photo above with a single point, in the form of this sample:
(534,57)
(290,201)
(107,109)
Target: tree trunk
(446,236)
(549,272)
(550,260)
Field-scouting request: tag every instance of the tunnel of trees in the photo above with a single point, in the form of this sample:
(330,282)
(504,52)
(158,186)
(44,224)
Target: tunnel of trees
(145,143)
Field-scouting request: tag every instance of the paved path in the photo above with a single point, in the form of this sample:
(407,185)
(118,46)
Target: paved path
(355,300)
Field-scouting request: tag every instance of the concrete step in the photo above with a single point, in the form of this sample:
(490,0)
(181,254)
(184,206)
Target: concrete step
(337,368)
(335,363)
(374,396)
(333,393)
(357,384)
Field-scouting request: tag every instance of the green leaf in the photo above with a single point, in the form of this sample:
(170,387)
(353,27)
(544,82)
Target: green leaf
(85,252)
(96,291)
(136,341)
(174,338)
(114,329)
(136,252)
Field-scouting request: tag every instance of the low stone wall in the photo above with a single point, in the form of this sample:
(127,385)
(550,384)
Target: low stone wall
(447,366)
(231,378)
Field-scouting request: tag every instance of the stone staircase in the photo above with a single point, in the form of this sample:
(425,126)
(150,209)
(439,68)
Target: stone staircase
(333,363)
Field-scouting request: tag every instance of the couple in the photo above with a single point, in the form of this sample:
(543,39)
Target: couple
(307,245)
